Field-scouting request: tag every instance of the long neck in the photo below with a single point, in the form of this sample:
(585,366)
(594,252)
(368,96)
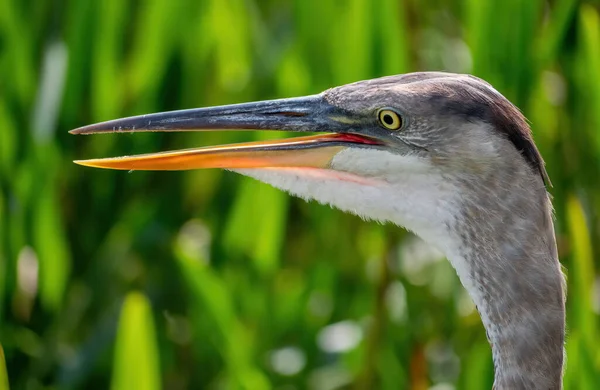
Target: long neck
(508,262)
(501,243)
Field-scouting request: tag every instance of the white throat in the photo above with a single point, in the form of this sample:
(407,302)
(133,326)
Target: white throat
(383,186)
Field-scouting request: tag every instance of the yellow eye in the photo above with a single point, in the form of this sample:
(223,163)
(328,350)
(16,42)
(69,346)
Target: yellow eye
(390,119)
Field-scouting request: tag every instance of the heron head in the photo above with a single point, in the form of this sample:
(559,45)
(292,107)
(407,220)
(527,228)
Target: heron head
(406,149)
(449,123)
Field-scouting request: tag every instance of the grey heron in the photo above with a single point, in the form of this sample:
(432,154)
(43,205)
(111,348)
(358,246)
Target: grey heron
(443,155)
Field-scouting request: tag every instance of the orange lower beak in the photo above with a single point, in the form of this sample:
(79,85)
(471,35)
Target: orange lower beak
(313,151)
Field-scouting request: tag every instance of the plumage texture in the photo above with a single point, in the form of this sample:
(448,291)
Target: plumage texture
(454,96)
(466,176)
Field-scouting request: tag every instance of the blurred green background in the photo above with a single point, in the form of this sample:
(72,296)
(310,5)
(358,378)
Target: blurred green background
(205,279)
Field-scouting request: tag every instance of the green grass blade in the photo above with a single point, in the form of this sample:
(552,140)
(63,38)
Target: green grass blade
(136,362)
(590,63)
(108,92)
(52,249)
(391,37)
(351,41)
(3,374)
(152,51)
(582,320)
(556,30)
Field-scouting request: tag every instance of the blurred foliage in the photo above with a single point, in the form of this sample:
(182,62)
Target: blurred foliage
(205,279)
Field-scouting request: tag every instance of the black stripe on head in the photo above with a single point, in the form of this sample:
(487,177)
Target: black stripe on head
(474,99)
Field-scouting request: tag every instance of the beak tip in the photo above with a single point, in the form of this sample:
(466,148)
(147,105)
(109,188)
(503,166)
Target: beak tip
(85,163)
(102,127)
(83,130)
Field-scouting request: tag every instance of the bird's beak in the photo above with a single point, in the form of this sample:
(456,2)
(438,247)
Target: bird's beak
(304,114)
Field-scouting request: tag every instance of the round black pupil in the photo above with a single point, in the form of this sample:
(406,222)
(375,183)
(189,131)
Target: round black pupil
(387,118)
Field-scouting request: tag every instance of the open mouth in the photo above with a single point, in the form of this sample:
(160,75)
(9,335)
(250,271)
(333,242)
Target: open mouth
(309,151)
(306,114)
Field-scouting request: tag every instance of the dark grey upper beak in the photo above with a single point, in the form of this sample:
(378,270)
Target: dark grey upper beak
(309,113)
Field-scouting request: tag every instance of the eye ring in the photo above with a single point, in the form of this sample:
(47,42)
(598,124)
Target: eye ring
(389,119)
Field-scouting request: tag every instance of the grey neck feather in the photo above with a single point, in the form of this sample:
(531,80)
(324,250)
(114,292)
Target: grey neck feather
(507,241)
